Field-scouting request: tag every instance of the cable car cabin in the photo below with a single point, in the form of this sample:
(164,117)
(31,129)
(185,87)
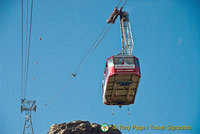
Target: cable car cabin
(121,79)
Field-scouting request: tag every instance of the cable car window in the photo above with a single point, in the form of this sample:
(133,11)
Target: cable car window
(118,60)
(110,62)
(129,60)
(124,60)
(137,63)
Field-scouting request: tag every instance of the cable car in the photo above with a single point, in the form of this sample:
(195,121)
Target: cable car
(122,71)
(121,79)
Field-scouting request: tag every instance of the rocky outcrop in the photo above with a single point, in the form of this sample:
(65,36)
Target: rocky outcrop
(80,127)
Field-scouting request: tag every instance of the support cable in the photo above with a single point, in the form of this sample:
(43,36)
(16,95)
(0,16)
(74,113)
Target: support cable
(86,55)
(93,44)
(84,59)
(22,49)
(98,43)
(29,45)
(26,46)
(101,39)
(119,3)
(26,105)
(124,3)
(53,98)
(82,62)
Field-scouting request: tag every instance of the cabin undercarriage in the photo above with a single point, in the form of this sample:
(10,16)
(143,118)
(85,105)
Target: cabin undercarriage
(121,89)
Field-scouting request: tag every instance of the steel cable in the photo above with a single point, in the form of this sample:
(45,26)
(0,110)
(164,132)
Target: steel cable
(70,78)
(22,55)
(22,47)
(93,44)
(99,42)
(119,3)
(84,59)
(26,45)
(124,3)
(29,45)
(53,98)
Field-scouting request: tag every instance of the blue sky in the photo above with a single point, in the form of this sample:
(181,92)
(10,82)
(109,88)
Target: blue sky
(166,36)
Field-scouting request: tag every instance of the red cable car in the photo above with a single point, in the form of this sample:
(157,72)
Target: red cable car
(122,72)
(121,79)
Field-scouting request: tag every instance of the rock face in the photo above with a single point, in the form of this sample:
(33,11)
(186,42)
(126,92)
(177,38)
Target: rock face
(80,127)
